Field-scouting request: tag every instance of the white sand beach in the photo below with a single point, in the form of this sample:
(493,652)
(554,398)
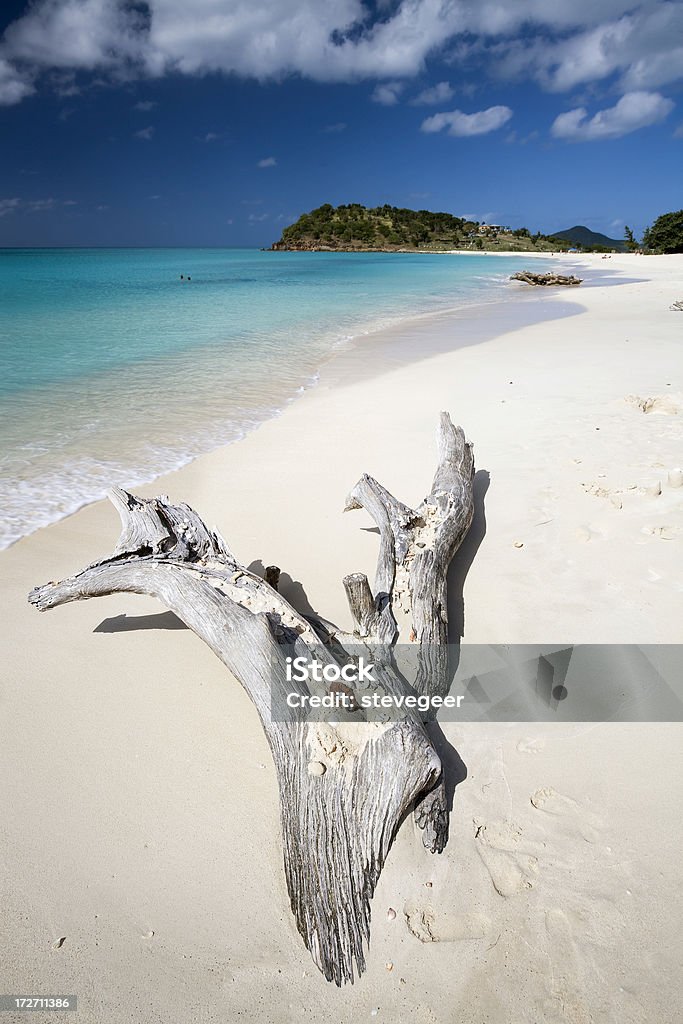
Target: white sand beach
(140,848)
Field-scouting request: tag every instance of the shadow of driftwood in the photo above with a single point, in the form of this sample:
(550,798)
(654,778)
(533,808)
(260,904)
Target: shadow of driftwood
(454,768)
(464,556)
(126,623)
(292,590)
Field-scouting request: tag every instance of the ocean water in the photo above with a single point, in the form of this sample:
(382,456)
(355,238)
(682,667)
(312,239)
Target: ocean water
(114,370)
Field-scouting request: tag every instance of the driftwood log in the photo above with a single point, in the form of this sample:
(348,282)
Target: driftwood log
(344,785)
(677,306)
(530,277)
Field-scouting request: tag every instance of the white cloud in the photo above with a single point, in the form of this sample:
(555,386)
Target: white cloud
(145,133)
(334,129)
(32,205)
(558,44)
(256,218)
(76,34)
(268,161)
(634,110)
(678,134)
(210,137)
(9,206)
(13,86)
(644,47)
(480,123)
(387,93)
(439,93)
(145,105)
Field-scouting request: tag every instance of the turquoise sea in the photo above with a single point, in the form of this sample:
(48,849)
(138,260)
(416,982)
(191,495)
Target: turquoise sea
(113,369)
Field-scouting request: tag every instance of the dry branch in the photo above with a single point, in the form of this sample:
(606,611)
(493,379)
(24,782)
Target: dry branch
(531,277)
(344,785)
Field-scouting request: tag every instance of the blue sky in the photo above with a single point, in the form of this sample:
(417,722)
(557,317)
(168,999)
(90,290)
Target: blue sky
(217,122)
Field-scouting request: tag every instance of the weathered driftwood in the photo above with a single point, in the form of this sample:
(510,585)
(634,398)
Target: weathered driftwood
(530,277)
(344,785)
(677,306)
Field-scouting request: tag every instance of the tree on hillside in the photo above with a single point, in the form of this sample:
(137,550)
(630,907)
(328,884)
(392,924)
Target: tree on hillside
(630,239)
(666,234)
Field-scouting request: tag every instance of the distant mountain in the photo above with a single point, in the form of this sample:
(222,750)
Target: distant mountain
(583,236)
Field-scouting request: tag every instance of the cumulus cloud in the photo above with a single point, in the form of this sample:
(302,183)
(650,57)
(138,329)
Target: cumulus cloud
(13,86)
(145,105)
(558,44)
(387,93)
(644,47)
(76,34)
(634,110)
(145,133)
(457,123)
(268,161)
(334,129)
(439,93)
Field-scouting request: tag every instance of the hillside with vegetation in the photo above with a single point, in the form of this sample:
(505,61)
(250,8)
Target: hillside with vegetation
(354,228)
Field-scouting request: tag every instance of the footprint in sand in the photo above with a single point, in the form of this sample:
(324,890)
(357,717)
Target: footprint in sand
(512,869)
(586,533)
(566,981)
(576,817)
(429,926)
(531,746)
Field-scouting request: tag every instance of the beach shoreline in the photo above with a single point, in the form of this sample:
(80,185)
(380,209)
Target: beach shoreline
(101,463)
(69,438)
(139,782)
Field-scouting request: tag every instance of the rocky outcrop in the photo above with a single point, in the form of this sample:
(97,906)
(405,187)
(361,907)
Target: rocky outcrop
(529,277)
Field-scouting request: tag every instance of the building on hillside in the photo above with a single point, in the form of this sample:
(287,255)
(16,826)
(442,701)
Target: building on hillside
(491,229)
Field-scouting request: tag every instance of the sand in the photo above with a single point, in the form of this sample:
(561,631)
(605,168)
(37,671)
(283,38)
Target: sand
(140,848)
